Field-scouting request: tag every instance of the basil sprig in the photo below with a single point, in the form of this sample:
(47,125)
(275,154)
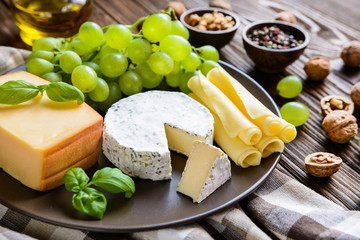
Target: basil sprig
(92,201)
(19,91)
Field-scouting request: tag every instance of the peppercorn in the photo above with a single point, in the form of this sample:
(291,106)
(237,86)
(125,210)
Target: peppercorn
(273,37)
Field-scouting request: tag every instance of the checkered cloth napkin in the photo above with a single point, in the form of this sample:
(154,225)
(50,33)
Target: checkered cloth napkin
(280,208)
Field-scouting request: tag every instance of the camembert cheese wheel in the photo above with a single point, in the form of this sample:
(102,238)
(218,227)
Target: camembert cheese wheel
(140,129)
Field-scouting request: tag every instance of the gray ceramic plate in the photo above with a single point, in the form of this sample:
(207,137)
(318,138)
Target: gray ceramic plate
(155,204)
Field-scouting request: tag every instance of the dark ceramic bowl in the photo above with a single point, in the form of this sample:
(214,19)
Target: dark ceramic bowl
(217,39)
(274,60)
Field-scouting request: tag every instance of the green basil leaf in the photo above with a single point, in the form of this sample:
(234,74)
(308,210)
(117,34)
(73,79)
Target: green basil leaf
(75,179)
(63,92)
(18,91)
(114,181)
(90,201)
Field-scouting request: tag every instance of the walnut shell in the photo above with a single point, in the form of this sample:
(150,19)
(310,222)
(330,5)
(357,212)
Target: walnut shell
(322,164)
(224,4)
(340,126)
(355,94)
(286,17)
(350,54)
(178,7)
(317,68)
(332,102)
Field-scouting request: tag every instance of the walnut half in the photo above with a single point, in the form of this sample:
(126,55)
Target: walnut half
(332,103)
(322,164)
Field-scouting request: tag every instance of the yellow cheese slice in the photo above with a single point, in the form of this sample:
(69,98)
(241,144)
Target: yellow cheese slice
(288,132)
(41,139)
(270,144)
(242,154)
(268,122)
(233,120)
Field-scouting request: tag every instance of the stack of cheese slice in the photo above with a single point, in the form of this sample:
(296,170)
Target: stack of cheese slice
(207,168)
(140,129)
(244,127)
(41,139)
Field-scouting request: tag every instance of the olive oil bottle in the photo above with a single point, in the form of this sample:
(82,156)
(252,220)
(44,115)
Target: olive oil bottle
(49,18)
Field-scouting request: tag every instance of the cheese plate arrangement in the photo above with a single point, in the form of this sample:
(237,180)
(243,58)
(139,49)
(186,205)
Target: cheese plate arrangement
(155,204)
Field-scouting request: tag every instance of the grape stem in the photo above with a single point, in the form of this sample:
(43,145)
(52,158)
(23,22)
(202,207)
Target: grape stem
(140,20)
(95,49)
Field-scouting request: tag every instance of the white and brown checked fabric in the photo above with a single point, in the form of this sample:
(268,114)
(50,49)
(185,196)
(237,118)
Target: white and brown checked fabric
(280,208)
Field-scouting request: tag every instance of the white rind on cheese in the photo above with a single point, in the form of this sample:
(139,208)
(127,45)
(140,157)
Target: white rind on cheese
(207,168)
(140,129)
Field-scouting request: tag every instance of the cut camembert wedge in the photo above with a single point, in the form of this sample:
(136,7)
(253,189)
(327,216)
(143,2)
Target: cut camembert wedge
(41,139)
(140,129)
(206,170)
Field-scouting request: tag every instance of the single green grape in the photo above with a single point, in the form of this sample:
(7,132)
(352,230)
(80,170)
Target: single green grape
(79,47)
(118,36)
(100,92)
(47,55)
(69,60)
(295,113)
(149,78)
(114,96)
(104,50)
(113,65)
(289,87)
(177,47)
(52,77)
(191,62)
(55,59)
(47,44)
(39,66)
(209,53)
(161,63)
(176,69)
(207,65)
(84,78)
(95,67)
(91,34)
(139,50)
(183,84)
(177,28)
(130,83)
(174,80)
(156,27)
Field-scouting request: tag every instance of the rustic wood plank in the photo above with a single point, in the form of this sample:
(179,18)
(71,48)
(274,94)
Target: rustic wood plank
(330,23)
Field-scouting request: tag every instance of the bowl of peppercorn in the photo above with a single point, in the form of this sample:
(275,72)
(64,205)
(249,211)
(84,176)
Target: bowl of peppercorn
(210,26)
(273,45)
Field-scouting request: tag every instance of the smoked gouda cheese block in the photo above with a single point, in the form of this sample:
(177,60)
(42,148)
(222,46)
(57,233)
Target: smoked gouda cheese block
(41,139)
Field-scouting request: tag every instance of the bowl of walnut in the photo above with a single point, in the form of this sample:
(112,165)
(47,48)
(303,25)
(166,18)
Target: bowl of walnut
(210,26)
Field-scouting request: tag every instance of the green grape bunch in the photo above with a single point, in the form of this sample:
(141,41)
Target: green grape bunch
(112,62)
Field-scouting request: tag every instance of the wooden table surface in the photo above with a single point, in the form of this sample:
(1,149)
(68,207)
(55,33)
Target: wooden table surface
(330,23)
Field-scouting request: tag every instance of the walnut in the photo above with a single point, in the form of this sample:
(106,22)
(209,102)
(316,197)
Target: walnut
(286,17)
(332,103)
(340,126)
(322,164)
(317,68)
(178,7)
(224,4)
(351,54)
(355,94)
